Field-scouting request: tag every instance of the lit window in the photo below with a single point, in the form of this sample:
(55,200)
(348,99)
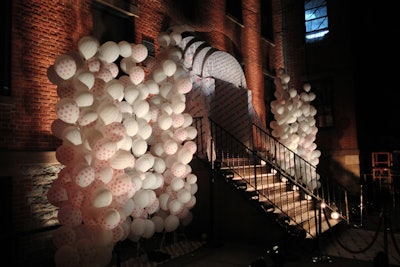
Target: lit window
(316,19)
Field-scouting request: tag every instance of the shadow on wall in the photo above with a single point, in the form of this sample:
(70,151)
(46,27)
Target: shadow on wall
(334,170)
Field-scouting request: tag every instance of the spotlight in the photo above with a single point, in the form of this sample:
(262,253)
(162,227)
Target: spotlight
(335,215)
(307,197)
(242,185)
(267,207)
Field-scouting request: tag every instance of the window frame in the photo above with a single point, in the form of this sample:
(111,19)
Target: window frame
(102,11)
(323,88)
(269,96)
(267,30)
(5,47)
(316,28)
(233,9)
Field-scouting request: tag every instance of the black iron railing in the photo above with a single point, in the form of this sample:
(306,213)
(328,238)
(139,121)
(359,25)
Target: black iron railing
(274,175)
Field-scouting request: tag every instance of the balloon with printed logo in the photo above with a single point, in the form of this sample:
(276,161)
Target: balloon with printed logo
(57,194)
(120,184)
(184,85)
(104,149)
(93,65)
(170,147)
(84,174)
(65,67)
(136,74)
(66,154)
(64,235)
(69,215)
(67,110)
(139,52)
(109,218)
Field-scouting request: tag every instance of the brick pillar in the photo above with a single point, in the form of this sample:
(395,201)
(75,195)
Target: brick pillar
(251,48)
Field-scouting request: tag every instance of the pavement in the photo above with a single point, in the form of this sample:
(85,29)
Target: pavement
(373,241)
(370,239)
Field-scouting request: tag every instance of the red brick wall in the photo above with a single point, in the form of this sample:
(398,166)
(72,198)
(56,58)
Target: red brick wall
(44,30)
(41,31)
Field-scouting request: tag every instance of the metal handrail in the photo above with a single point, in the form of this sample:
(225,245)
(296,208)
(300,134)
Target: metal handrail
(289,196)
(315,181)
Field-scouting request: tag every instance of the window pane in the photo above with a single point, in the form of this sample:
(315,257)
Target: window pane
(234,8)
(316,13)
(316,19)
(308,4)
(112,25)
(266,19)
(316,24)
(323,101)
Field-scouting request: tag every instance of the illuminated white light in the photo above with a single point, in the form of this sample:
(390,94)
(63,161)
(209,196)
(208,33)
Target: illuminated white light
(308,197)
(335,215)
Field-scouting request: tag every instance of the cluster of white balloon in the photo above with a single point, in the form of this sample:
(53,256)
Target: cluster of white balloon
(295,127)
(127,145)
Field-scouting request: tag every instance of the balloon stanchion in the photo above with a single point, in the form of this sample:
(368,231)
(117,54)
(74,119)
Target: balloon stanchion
(320,258)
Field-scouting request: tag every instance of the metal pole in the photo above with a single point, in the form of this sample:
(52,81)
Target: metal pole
(211,196)
(320,258)
(361,206)
(385,224)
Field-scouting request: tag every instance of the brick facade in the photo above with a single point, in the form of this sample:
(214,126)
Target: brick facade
(43,30)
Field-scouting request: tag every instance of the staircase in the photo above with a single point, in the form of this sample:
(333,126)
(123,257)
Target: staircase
(278,193)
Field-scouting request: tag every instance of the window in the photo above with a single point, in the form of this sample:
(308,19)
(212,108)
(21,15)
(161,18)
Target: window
(323,89)
(112,23)
(5,48)
(234,9)
(269,90)
(149,44)
(316,19)
(266,19)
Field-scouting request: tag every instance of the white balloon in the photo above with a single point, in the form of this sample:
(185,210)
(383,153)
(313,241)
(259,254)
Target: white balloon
(125,49)
(109,51)
(171,223)
(88,46)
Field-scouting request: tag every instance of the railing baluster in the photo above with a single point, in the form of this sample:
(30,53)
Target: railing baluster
(292,169)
